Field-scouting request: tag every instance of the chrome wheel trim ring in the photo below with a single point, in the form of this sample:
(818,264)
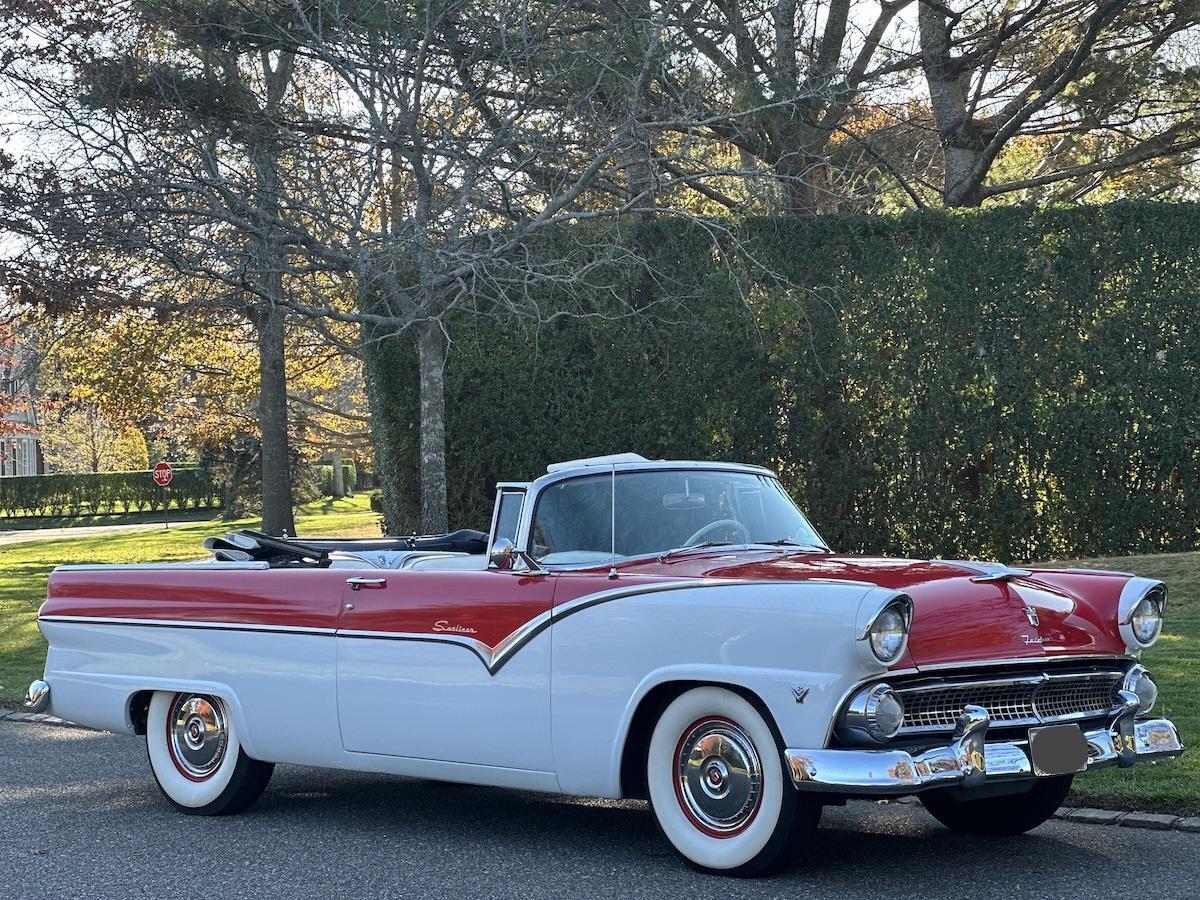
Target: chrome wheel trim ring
(197,735)
(719,777)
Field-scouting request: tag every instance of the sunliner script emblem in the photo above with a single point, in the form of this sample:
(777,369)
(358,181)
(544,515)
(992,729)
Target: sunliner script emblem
(443,625)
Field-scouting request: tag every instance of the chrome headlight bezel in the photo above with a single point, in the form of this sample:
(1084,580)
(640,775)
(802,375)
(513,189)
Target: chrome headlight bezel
(875,712)
(881,634)
(1142,601)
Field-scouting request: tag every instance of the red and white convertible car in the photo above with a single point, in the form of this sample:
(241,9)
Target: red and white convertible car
(670,630)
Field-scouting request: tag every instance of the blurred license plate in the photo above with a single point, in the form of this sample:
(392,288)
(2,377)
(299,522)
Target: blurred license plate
(1058,750)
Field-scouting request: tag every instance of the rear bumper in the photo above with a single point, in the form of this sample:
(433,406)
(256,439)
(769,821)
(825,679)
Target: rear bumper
(969,760)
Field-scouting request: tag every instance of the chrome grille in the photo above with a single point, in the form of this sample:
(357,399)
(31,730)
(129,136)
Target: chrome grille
(1027,699)
(1068,697)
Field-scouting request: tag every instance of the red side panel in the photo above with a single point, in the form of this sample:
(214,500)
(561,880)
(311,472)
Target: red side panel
(486,606)
(297,598)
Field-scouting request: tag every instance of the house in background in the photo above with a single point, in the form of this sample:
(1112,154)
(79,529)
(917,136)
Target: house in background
(20,435)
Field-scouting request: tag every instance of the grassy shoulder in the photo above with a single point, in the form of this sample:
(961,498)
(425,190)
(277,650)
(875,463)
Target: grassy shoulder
(25,567)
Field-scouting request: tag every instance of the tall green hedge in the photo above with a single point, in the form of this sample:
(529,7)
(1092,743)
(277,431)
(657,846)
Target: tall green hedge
(1008,383)
(104,492)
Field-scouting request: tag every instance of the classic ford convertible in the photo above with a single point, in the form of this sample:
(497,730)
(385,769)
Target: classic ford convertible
(669,630)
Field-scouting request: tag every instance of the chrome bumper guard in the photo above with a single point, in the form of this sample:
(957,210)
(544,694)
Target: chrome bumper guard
(37,699)
(969,761)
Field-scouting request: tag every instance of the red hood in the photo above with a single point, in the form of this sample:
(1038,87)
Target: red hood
(955,619)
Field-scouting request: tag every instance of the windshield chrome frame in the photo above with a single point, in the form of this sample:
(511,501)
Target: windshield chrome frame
(535,488)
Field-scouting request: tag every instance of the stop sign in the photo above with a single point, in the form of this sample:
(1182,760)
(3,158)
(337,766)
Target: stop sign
(163,474)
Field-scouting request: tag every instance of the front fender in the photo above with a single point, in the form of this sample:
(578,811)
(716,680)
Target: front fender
(794,645)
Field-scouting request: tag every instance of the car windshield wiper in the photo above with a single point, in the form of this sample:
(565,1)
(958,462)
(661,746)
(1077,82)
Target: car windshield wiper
(689,547)
(788,542)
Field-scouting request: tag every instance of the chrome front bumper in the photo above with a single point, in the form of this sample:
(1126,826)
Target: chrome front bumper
(970,761)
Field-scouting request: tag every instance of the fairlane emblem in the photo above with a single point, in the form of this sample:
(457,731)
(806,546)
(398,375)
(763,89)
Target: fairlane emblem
(1033,640)
(443,625)
(1031,614)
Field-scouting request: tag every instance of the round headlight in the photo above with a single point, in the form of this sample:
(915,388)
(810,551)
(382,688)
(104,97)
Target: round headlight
(1147,618)
(888,633)
(1141,683)
(876,711)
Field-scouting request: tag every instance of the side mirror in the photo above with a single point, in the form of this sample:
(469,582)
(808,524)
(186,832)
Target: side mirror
(502,555)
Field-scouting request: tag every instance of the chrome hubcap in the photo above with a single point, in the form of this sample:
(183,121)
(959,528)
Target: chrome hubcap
(198,734)
(720,778)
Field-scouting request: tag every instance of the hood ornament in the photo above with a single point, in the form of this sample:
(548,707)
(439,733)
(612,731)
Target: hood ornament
(986,571)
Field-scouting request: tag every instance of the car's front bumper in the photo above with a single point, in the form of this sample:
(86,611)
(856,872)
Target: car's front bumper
(969,760)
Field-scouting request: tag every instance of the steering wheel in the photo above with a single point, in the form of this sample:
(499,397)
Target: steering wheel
(742,532)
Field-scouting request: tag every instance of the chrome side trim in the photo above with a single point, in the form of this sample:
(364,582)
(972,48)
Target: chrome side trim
(493,658)
(182,623)
(205,564)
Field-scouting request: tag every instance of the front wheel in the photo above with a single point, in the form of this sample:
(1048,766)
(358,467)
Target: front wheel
(196,756)
(998,816)
(718,789)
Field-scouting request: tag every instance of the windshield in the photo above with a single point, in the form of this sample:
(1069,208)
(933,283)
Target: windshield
(661,511)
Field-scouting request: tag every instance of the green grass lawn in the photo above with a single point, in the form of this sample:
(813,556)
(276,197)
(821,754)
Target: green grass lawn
(1167,787)
(24,568)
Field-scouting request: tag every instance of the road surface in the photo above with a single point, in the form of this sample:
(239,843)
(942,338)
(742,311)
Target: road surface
(80,816)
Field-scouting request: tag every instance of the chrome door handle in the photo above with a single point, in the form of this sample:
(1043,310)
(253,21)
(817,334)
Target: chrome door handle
(358,583)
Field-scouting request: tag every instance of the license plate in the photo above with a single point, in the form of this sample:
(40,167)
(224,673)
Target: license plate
(1057,750)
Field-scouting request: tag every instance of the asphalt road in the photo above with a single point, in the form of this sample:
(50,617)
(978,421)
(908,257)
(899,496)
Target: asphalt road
(80,816)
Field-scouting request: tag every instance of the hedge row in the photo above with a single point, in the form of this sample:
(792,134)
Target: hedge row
(104,492)
(1009,383)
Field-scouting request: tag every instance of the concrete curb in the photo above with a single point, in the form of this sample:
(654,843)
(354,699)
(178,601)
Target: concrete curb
(1155,821)
(1092,816)
(17,715)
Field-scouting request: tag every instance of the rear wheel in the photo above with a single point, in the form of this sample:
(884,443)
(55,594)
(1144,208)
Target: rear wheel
(1007,815)
(718,789)
(196,756)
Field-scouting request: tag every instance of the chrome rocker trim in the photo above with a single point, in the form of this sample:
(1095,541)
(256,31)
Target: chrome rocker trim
(969,762)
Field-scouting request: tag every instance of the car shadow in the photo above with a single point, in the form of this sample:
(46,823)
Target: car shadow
(862,835)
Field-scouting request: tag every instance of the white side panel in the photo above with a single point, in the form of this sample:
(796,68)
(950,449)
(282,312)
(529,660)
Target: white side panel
(280,686)
(437,700)
(281,691)
(768,637)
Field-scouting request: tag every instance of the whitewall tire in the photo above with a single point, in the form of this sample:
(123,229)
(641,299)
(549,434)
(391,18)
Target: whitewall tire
(718,789)
(196,757)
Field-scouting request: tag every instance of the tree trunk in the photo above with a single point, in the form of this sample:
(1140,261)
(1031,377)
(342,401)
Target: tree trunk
(431,354)
(961,138)
(806,187)
(273,423)
(339,480)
